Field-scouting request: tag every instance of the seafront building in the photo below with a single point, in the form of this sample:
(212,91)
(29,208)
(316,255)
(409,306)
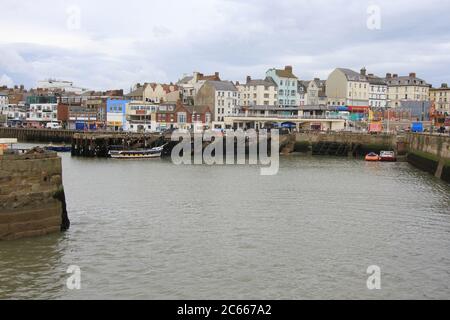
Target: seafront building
(190,85)
(223,96)
(402,90)
(140,116)
(258,92)
(4,99)
(41,110)
(287,84)
(300,118)
(60,86)
(312,92)
(440,99)
(378,92)
(346,87)
(205,101)
(116,114)
(161,93)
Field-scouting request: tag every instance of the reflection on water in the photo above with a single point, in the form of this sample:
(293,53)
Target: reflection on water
(152,230)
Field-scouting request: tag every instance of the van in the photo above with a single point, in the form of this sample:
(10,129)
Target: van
(53,125)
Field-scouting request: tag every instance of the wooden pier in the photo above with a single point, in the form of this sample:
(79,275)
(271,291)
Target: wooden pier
(99,144)
(37,135)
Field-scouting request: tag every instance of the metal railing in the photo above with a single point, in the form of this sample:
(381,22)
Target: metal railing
(281,116)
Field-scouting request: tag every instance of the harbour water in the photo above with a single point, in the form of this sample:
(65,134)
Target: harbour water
(153,230)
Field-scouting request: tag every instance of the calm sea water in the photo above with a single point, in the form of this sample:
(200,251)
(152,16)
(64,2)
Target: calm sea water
(152,230)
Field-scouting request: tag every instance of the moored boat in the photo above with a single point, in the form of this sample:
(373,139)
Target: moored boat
(58,148)
(388,156)
(372,157)
(137,154)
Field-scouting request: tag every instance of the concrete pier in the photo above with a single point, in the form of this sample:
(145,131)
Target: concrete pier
(32,199)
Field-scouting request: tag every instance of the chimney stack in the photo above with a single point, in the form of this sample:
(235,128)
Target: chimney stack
(288,68)
(388,75)
(363,71)
(395,75)
(444,85)
(217,74)
(249,79)
(412,75)
(196,77)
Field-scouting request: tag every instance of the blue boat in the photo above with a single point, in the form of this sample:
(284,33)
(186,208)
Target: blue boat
(58,148)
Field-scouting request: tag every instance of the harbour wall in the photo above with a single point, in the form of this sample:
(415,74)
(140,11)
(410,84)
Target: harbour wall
(345,143)
(32,199)
(37,135)
(430,153)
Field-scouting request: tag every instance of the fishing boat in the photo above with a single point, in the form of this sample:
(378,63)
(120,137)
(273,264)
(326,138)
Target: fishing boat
(58,148)
(372,157)
(388,156)
(137,154)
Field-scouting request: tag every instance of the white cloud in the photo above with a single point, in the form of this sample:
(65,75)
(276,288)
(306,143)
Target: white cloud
(6,81)
(121,42)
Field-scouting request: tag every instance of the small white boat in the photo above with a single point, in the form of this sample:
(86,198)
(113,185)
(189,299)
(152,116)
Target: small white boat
(388,156)
(137,154)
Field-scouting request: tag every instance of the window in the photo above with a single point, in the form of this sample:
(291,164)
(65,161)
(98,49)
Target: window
(182,117)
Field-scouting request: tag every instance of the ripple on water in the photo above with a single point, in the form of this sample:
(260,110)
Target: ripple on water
(151,230)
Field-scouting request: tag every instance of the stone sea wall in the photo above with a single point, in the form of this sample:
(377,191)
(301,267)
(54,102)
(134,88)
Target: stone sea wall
(430,153)
(32,200)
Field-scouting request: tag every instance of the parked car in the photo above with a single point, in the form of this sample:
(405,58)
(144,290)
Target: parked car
(53,125)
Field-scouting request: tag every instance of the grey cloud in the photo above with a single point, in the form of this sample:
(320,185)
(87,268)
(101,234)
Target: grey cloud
(122,42)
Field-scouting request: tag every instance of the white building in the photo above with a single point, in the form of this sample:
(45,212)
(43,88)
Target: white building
(141,117)
(67,86)
(378,92)
(4,100)
(16,113)
(42,112)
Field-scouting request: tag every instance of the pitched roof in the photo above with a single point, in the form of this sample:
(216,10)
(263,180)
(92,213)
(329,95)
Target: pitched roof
(267,82)
(196,109)
(405,81)
(353,75)
(376,80)
(222,85)
(139,92)
(285,73)
(185,80)
(211,78)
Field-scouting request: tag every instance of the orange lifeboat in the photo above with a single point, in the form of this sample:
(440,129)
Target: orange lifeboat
(372,157)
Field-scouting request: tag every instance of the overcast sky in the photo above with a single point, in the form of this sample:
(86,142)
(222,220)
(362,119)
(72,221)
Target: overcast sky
(114,43)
